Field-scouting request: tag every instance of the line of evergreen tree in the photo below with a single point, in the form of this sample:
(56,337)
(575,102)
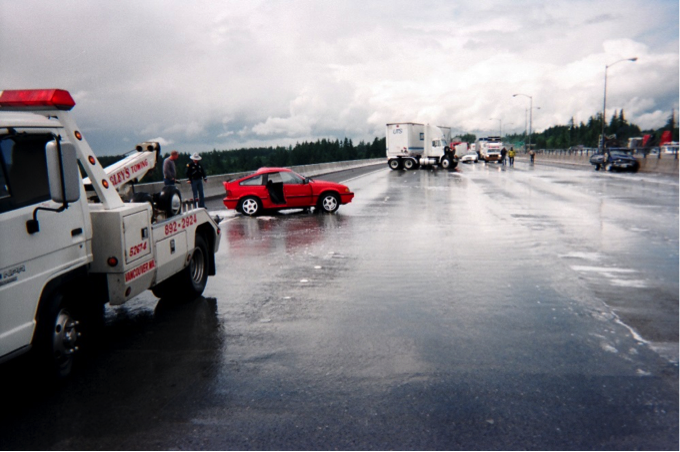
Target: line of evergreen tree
(588,134)
(250,159)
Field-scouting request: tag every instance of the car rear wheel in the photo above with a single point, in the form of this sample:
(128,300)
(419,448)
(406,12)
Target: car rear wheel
(250,206)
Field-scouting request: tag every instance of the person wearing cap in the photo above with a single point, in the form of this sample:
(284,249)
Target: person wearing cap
(196,176)
(169,170)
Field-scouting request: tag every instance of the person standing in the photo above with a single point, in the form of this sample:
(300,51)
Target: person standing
(532,155)
(169,170)
(511,156)
(503,154)
(196,176)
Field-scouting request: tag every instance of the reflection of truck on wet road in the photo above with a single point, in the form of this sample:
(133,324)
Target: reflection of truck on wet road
(411,145)
(69,246)
(489,148)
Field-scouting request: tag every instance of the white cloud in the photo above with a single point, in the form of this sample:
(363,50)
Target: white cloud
(162,141)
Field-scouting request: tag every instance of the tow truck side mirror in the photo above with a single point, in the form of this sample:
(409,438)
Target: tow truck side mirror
(62,172)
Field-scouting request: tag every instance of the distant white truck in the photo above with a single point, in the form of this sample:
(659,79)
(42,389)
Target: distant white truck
(69,246)
(489,149)
(410,145)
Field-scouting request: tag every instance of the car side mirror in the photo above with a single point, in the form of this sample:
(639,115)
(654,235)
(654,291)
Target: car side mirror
(62,172)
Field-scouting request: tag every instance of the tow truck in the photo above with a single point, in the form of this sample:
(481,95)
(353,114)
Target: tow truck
(70,245)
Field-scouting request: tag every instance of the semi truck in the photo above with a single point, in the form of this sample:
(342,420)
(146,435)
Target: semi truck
(410,145)
(489,148)
(70,245)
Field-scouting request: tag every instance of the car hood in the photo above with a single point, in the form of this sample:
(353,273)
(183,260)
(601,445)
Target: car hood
(327,184)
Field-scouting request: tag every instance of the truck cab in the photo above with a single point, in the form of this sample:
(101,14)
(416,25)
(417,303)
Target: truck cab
(65,252)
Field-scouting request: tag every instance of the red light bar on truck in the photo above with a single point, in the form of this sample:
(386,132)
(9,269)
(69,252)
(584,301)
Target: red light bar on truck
(35,98)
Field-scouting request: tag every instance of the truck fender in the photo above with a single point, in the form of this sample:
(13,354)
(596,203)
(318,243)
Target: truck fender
(72,281)
(210,238)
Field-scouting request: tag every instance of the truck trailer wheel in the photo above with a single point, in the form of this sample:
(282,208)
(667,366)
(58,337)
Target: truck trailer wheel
(445,163)
(394,164)
(409,164)
(190,283)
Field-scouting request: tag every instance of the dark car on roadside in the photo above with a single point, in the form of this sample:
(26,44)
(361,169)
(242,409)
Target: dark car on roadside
(619,160)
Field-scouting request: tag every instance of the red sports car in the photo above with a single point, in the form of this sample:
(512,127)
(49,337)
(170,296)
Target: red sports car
(281,188)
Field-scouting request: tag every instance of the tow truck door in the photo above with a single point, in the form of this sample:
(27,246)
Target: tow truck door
(29,259)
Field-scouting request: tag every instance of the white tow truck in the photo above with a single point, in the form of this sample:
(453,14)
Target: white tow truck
(410,145)
(69,246)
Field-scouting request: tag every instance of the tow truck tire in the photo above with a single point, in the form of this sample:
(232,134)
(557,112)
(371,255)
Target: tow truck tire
(170,201)
(394,164)
(62,327)
(409,164)
(190,283)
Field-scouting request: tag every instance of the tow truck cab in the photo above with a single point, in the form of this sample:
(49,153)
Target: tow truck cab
(65,252)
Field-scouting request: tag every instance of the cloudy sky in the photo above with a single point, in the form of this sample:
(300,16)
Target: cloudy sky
(207,74)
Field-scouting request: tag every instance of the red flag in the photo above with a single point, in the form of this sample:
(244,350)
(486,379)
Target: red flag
(666,137)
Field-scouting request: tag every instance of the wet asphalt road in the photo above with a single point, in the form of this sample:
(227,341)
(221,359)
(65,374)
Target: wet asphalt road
(487,308)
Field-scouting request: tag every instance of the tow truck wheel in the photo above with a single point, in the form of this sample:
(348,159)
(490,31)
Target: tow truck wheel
(394,164)
(58,336)
(170,200)
(409,164)
(190,283)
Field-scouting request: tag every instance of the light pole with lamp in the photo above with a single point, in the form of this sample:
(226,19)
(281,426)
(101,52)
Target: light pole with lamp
(604,103)
(531,108)
(500,126)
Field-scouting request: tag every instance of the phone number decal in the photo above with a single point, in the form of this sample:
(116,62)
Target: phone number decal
(179,225)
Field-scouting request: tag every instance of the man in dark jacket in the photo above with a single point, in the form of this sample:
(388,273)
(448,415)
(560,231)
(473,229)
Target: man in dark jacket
(196,176)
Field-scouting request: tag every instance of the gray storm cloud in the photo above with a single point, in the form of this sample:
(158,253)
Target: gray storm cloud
(211,74)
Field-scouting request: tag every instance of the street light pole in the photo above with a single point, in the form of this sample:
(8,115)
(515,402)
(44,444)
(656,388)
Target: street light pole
(500,126)
(531,112)
(604,102)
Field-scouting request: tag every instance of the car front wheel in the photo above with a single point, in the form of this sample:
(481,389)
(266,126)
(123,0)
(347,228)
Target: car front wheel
(329,202)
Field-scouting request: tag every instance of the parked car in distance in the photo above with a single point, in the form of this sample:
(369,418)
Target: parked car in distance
(469,157)
(620,160)
(281,188)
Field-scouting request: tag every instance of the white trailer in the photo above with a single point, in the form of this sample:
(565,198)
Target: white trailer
(64,251)
(410,145)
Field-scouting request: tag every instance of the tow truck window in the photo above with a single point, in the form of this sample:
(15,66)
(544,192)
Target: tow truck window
(23,171)
(4,188)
